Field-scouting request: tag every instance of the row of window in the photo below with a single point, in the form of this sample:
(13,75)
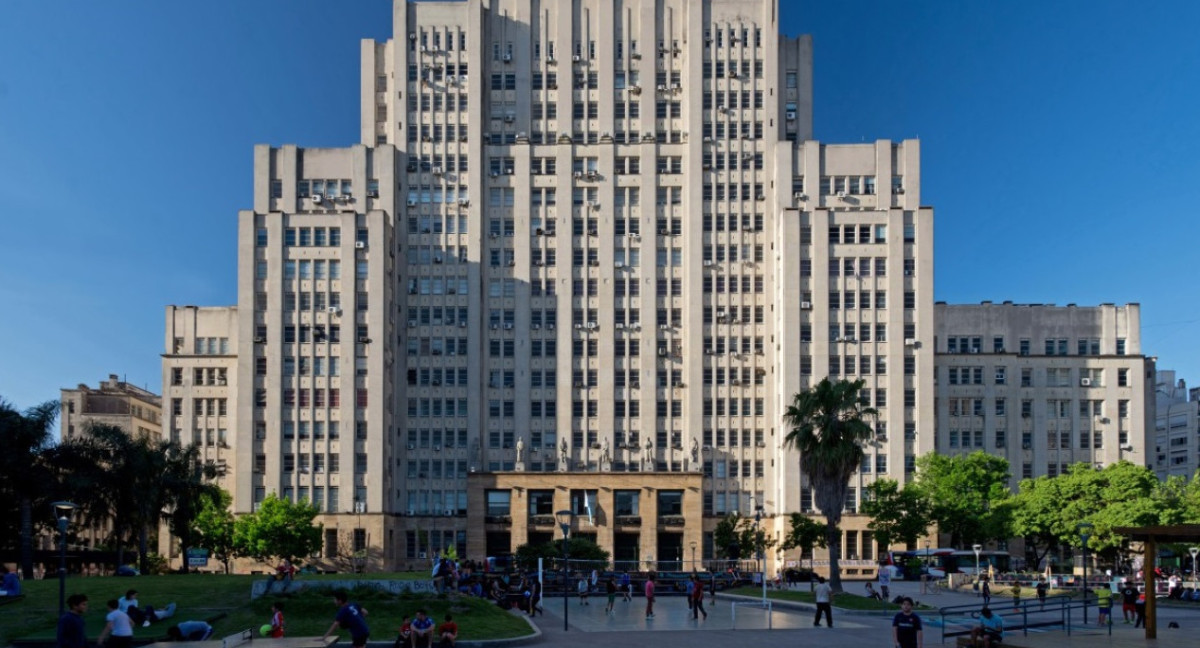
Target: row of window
(1055,376)
(1054,408)
(1052,346)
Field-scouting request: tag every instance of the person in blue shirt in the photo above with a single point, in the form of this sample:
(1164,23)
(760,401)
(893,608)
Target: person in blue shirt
(10,585)
(907,629)
(352,617)
(190,631)
(71,631)
(990,629)
(422,630)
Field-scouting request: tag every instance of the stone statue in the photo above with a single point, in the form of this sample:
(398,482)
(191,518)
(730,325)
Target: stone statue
(563,458)
(695,451)
(605,457)
(520,448)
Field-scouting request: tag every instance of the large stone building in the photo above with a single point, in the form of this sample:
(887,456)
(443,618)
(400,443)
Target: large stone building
(1176,427)
(136,411)
(1044,386)
(584,255)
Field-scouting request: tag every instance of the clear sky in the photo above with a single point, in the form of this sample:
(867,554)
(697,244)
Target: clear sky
(1058,141)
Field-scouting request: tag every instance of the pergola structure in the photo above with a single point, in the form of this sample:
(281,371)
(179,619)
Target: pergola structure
(1151,537)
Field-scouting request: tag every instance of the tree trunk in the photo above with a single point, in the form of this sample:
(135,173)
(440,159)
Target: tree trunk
(142,546)
(26,538)
(833,540)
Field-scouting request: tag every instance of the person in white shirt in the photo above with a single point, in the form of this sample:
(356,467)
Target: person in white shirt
(885,579)
(119,630)
(824,594)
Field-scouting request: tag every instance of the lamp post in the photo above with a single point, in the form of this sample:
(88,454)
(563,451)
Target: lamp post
(693,544)
(62,512)
(564,523)
(760,559)
(1194,551)
(977,548)
(1085,530)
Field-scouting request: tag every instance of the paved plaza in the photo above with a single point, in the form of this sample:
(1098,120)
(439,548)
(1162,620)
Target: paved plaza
(727,625)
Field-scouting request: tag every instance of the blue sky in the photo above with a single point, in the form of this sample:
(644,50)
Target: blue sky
(1057,144)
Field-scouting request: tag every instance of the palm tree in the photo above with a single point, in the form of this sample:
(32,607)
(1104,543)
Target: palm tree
(27,484)
(828,429)
(186,483)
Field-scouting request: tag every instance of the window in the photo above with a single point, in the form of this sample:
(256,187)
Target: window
(541,502)
(626,502)
(670,503)
(499,502)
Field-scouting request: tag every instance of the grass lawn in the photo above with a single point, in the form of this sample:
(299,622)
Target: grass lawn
(204,596)
(844,600)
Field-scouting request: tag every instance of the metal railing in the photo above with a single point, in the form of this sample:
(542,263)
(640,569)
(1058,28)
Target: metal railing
(1054,612)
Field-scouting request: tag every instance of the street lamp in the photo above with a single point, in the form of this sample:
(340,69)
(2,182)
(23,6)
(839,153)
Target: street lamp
(564,523)
(62,512)
(977,548)
(693,543)
(1085,530)
(760,559)
(1194,551)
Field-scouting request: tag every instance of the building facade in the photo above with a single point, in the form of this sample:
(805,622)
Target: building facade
(594,247)
(1176,427)
(134,410)
(1044,386)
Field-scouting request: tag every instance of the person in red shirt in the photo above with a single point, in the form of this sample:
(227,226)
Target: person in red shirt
(447,633)
(650,596)
(276,619)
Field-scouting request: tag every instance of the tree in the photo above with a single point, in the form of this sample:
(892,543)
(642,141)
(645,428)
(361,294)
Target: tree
(186,485)
(212,528)
(278,529)
(898,516)
(968,495)
(828,429)
(1038,517)
(736,537)
(804,533)
(27,482)
(578,548)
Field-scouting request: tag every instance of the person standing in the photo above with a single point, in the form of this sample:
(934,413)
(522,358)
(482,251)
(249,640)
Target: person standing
(582,588)
(1016,592)
(698,597)
(535,598)
(907,631)
(824,595)
(689,587)
(626,586)
(885,580)
(71,631)
(1129,597)
(119,629)
(277,619)
(352,617)
(610,587)
(1104,597)
(985,590)
(1041,588)
(1139,609)
(650,596)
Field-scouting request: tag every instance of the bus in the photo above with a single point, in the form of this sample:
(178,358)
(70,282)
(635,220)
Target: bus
(940,561)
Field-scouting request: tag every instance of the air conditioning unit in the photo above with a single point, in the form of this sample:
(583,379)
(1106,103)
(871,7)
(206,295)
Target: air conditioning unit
(999,443)
(372,194)
(412,323)
(412,202)
(360,245)
(591,326)
(317,198)
(579,384)
(974,349)
(618,265)
(495,327)
(620,326)
(576,58)
(791,115)
(437,170)
(910,342)
(664,232)
(1104,419)
(508,326)
(364,340)
(1085,382)
(509,171)
(448,512)
(662,352)
(462,324)
(260,340)
(841,194)
(708,263)
(735,383)
(733,74)
(509,118)
(507,58)
(664,327)
(1026,446)
(334,310)
(804,305)
(662,88)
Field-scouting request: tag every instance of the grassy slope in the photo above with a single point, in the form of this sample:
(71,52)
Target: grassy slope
(201,597)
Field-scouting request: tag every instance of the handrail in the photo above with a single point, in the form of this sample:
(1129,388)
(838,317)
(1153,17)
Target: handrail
(1061,604)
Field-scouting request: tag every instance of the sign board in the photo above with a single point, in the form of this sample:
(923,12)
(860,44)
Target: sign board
(197,557)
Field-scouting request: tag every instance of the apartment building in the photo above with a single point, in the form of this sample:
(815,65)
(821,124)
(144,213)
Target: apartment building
(595,252)
(1176,427)
(1044,386)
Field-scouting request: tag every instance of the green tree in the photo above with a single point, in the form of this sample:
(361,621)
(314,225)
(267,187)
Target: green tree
(278,529)
(805,534)
(578,549)
(968,495)
(186,484)
(737,534)
(27,485)
(828,428)
(212,527)
(898,515)
(1037,516)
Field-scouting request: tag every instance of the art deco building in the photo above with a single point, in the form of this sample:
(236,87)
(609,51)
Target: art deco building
(583,258)
(1176,427)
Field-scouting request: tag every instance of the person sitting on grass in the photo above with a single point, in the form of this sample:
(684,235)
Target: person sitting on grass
(404,634)
(10,585)
(447,633)
(189,631)
(990,629)
(872,593)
